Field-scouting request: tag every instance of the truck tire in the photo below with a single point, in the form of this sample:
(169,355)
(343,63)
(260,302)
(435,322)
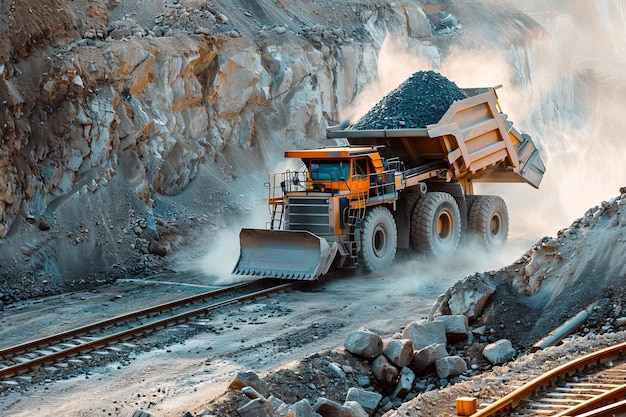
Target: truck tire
(488,221)
(379,239)
(436,225)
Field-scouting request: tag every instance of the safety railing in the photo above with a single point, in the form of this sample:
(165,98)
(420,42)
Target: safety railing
(362,190)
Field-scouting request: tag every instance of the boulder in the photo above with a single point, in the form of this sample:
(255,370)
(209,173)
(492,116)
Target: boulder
(353,409)
(250,379)
(398,351)
(467,297)
(384,370)
(499,352)
(450,366)
(423,334)
(457,327)
(328,408)
(369,400)
(405,383)
(426,357)
(417,23)
(302,408)
(363,343)
(258,407)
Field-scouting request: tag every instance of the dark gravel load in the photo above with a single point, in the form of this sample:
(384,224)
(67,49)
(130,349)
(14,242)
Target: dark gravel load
(419,101)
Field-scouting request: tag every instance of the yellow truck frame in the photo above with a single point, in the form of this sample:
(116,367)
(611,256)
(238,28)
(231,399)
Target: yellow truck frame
(392,189)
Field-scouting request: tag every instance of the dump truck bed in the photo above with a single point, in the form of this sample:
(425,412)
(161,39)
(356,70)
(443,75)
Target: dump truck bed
(473,139)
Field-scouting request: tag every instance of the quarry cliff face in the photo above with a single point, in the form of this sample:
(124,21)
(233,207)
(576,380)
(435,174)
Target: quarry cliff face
(130,129)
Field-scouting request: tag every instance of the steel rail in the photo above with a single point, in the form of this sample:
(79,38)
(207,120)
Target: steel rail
(66,335)
(607,398)
(512,400)
(133,332)
(611,410)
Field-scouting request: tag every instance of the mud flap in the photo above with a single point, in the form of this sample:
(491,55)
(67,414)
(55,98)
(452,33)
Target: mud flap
(298,255)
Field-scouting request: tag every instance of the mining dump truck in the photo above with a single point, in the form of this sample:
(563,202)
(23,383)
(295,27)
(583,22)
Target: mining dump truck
(391,189)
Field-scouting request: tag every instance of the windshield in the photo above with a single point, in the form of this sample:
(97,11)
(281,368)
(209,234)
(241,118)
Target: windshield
(330,170)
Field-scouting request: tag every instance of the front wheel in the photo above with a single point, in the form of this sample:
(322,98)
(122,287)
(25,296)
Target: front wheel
(379,239)
(436,225)
(488,220)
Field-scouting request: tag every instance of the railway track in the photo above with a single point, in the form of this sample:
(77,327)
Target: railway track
(592,385)
(114,333)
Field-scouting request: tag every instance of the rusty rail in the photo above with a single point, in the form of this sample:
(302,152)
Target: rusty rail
(513,399)
(133,332)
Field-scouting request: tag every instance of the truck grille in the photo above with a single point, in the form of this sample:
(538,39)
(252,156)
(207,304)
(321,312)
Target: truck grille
(310,214)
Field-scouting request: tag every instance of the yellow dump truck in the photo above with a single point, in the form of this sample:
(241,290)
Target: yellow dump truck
(392,189)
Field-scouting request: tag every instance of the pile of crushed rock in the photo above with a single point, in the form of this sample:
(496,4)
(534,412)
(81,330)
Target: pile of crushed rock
(419,101)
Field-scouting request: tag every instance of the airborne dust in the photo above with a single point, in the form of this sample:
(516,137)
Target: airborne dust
(565,88)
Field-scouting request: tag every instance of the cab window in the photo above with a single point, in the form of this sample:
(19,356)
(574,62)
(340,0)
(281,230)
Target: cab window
(359,169)
(330,170)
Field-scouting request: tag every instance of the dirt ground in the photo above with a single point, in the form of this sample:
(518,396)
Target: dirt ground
(263,336)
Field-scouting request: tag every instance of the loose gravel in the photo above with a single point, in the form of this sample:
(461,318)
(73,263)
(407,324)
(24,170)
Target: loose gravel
(419,101)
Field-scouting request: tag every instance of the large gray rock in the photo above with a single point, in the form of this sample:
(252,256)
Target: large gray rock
(302,408)
(499,352)
(363,343)
(426,333)
(398,351)
(467,297)
(450,366)
(384,370)
(405,383)
(426,357)
(369,400)
(353,409)
(250,379)
(328,408)
(258,407)
(457,327)
(418,25)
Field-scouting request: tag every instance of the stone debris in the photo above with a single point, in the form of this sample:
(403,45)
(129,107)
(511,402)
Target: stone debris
(450,366)
(259,407)
(363,343)
(426,357)
(467,297)
(369,400)
(499,352)
(384,370)
(302,408)
(425,333)
(398,351)
(457,327)
(250,379)
(405,384)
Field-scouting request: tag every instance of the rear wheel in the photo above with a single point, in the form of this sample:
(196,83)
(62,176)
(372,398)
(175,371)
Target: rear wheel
(436,225)
(488,220)
(379,239)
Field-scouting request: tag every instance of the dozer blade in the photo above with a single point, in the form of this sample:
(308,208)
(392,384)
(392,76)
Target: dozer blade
(298,255)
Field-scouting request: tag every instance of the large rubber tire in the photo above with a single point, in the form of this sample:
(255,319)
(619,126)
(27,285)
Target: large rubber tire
(436,225)
(488,221)
(379,239)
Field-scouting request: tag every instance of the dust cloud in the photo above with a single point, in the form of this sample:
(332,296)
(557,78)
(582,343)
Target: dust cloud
(566,87)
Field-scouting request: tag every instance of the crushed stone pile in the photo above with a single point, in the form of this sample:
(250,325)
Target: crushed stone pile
(419,101)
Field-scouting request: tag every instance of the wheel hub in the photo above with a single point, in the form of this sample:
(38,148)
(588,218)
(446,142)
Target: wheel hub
(444,225)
